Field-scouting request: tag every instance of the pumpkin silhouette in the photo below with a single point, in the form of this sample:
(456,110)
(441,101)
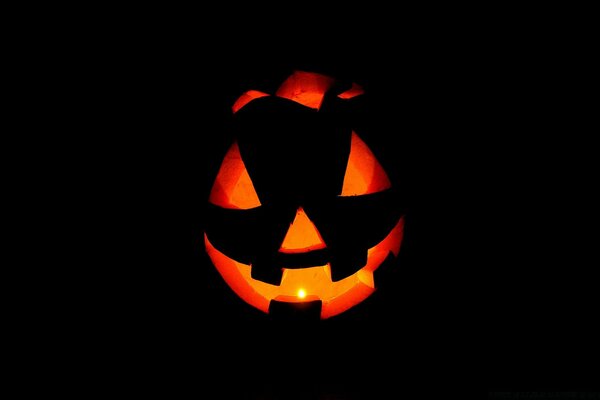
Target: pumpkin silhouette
(302,215)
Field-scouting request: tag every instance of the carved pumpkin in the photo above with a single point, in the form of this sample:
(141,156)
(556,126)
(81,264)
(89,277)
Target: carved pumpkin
(302,214)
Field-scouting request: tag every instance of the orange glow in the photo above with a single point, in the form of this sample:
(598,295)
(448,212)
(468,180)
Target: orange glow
(302,236)
(247,98)
(306,88)
(316,283)
(233,187)
(354,91)
(364,174)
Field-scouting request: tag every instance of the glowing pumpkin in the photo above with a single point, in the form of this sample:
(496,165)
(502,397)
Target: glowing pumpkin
(301,213)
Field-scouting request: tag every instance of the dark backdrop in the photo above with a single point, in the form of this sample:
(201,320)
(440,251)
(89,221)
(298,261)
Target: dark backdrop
(491,291)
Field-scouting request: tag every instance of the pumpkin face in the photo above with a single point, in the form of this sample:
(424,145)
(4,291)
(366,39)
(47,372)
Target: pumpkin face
(302,214)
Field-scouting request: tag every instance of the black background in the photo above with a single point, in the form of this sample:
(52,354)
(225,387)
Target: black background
(493,289)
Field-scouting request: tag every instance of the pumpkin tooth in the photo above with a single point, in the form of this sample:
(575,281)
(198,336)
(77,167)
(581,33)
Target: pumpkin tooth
(266,274)
(305,311)
(347,264)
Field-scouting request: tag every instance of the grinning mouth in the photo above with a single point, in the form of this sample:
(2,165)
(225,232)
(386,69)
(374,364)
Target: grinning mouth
(302,260)
(314,284)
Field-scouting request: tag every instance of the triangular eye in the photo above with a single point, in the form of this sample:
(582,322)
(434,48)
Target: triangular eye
(364,174)
(233,187)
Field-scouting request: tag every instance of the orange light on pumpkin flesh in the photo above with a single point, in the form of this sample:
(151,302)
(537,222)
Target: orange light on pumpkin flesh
(303,235)
(233,188)
(354,91)
(247,98)
(305,88)
(363,175)
(308,284)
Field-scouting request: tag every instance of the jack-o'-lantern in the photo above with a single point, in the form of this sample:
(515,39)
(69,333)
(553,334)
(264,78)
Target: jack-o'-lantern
(302,214)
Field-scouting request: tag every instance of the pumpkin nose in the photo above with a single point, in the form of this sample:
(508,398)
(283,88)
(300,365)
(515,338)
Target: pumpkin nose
(302,236)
